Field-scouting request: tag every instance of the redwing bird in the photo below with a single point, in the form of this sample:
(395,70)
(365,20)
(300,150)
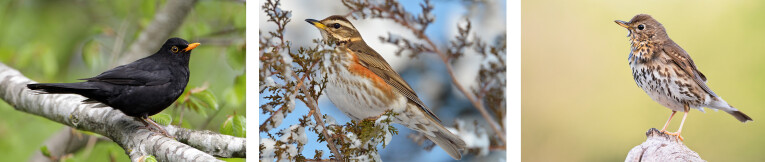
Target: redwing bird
(362,85)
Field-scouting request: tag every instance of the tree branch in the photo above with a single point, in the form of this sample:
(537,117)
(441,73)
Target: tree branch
(662,147)
(165,22)
(63,142)
(124,130)
(316,113)
(476,103)
(408,21)
(213,143)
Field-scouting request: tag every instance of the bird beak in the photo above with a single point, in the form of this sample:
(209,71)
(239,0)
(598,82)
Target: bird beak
(622,23)
(191,47)
(316,23)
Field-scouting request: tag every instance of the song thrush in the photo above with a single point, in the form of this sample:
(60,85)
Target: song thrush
(362,85)
(667,74)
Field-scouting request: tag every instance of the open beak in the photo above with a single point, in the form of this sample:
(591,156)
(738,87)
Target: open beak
(191,47)
(622,23)
(316,23)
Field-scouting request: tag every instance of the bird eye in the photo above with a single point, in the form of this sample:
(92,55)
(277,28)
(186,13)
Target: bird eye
(336,26)
(174,49)
(641,27)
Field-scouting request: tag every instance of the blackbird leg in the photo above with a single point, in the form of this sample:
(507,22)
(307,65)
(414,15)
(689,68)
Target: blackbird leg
(681,123)
(147,121)
(145,124)
(670,119)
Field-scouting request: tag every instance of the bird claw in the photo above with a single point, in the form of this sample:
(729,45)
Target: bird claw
(156,128)
(372,118)
(160,131)
(676,134)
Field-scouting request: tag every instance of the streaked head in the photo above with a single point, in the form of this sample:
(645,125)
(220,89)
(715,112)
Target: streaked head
(335,28)
(643,27)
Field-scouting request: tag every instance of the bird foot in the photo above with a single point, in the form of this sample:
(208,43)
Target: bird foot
(372,118)
(148,123)
(155,130)
(676,134)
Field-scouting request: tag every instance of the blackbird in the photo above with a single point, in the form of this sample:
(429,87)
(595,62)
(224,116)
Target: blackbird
(139,89)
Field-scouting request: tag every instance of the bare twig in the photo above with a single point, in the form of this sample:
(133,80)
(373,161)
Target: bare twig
(312,104)
(401,19)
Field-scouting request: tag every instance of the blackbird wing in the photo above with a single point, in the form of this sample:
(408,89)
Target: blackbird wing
(375,63)
(684,61)
(131,74)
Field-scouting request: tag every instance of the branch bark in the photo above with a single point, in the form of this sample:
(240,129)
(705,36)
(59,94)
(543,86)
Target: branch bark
(661,147)
(68,109)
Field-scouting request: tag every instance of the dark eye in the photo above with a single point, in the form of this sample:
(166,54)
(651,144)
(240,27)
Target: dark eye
(336,25)
(641,27)
(174,49)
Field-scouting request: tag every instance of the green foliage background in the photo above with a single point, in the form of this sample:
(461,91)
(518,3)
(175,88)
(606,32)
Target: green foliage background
(43,40)
(580,102)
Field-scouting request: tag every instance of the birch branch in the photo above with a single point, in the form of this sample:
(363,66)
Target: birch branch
(68,109)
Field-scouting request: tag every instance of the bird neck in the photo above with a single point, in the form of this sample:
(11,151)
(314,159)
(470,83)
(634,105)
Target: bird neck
(644,50)
(174,59)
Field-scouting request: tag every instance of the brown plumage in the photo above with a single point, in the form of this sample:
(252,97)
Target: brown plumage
(667,73)
(363,85)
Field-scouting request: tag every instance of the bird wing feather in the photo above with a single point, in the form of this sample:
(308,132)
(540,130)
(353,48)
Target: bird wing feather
(130,75)
(375,63)
(683,60)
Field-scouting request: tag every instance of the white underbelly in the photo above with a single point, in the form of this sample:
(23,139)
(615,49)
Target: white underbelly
(355,97)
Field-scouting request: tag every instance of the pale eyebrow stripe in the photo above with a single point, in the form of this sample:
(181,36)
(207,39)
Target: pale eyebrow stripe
(343,23)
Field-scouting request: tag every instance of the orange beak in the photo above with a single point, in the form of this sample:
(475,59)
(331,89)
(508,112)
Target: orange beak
(191,47)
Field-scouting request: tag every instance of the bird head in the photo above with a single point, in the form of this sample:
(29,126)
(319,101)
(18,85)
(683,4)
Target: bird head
(643,27)
(177,48)
(336,28)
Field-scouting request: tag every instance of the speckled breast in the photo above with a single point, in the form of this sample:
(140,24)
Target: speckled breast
(666,83)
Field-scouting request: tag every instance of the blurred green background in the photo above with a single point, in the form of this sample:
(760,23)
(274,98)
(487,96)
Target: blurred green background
(580,102)
(61,41)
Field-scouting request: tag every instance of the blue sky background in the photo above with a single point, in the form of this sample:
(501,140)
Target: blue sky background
(427,69)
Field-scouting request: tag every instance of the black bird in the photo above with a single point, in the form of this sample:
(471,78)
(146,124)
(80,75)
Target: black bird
(139,89)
